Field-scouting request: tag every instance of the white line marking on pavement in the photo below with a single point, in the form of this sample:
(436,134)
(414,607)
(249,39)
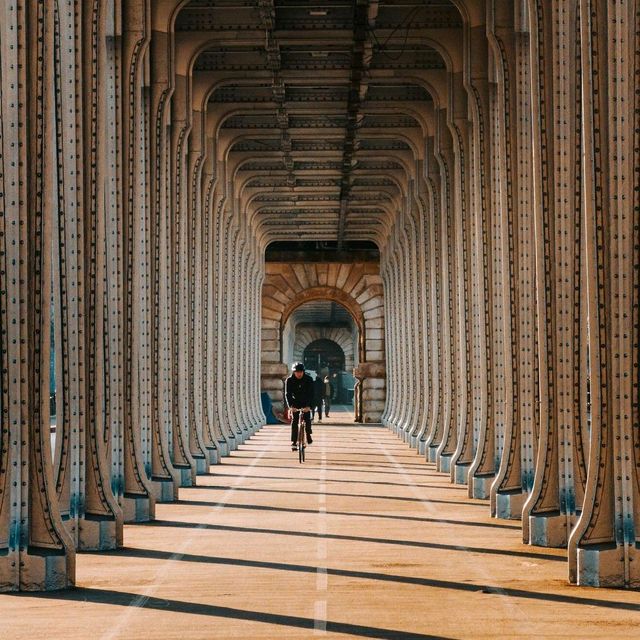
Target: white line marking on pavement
(322,582)
(478,568)
(161,575)
(320,618)
(322,579)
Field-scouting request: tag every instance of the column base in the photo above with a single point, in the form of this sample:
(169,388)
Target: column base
(202,464)
(214,455)
(603,566)
(164,489)
(187,477)
(46,570)
(509,505)
(422,447)
(443,464)
(432,452)
(223,448)
(548,530)
(481,487)
(137,508)
(460,473)
(413,441)
(98,533)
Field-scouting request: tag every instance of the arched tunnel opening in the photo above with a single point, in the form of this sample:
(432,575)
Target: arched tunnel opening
(432,204)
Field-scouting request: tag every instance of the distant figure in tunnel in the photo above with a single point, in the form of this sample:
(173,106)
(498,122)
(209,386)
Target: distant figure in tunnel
(328,392)
(298,393)
(318,396)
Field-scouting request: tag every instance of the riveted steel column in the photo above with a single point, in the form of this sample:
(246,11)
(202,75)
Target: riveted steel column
(419,305)
(165,476)
(450,200)
(36,552)
(100,517)
(384,274)
(394,333)
(463,455)
(409,419)
(203,344)
(202,450)
(182,456)
(419,212)
(528,376)
(506,495)
(441,331)
(603,548)
(557,490)
(426,241)
(483,468)
(404,312)
(137,501)
(220,248)
(67,276)
(185,283)
(230,292)
(433,229)
(210,212)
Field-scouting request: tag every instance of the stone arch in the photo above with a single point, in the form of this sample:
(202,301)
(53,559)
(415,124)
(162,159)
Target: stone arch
(358,288)
(341,336)
(335,295)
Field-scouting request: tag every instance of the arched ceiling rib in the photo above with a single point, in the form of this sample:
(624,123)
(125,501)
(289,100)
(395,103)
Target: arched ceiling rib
(322,313)
(320,109)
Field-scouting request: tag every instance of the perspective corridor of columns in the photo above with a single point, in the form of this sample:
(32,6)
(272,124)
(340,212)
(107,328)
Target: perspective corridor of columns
(177,177)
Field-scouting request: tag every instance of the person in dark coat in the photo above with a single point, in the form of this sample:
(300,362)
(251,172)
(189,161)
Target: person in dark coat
(328,393)
(298,394)
(318,396)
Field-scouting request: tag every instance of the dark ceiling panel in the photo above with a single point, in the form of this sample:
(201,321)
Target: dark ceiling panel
(325,93)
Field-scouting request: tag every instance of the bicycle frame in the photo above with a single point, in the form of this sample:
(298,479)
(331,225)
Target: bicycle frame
(302,435)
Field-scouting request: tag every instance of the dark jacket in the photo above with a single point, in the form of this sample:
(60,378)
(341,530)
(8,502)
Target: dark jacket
(299,393)
(318,390)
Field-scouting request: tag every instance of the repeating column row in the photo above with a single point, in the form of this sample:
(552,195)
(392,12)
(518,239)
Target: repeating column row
(511,275)
(130,289)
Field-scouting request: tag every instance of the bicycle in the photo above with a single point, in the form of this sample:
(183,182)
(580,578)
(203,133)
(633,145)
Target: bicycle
(302,434)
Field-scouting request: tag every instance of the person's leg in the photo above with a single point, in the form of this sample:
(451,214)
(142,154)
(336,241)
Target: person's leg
(294,428)
(320,411)
(327,405)
(307,426)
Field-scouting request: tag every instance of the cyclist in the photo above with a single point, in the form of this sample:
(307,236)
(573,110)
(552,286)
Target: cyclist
(298,393)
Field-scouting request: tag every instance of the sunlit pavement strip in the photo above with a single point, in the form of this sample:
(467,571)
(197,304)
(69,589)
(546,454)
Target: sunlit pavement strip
(165,568)
(320,615)
(389,550)
(477,569)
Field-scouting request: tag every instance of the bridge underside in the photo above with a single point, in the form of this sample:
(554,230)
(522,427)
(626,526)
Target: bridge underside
(177,177)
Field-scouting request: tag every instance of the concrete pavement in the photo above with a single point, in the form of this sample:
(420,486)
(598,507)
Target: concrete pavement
(363,540)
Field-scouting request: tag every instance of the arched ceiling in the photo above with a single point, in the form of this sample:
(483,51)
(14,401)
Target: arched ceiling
(320,109)
(322,313)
